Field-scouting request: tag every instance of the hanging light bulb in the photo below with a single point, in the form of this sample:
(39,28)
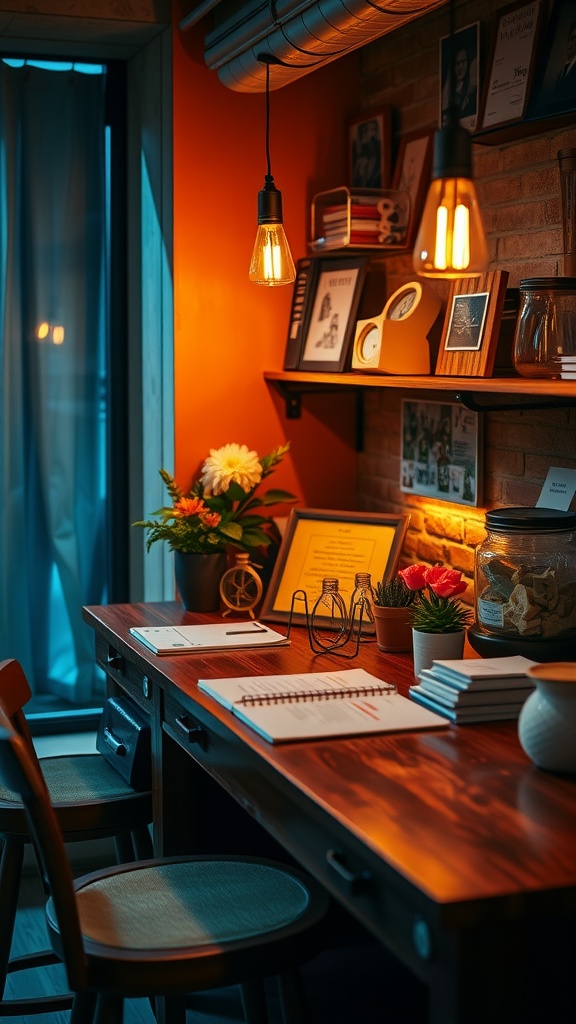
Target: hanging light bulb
(451,241)
(271,262)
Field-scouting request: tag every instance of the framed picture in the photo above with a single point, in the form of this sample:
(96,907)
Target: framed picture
(412,173)
(369,143)
(472,325)
(318,543)
(461,87)
(554,89)
(441,455)
(330,313)
(511,64)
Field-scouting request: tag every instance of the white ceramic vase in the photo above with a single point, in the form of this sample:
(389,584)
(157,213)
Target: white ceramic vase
(547,721)
(429,647)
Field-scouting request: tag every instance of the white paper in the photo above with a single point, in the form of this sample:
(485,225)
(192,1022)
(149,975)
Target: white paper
(558,490)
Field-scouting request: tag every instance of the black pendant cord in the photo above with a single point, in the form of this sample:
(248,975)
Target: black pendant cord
(268,162)
(452,113)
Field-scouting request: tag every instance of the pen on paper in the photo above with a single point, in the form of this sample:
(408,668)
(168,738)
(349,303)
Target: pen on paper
(237,632)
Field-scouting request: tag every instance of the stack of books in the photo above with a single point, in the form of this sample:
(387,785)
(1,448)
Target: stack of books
(366,220)
(475,689)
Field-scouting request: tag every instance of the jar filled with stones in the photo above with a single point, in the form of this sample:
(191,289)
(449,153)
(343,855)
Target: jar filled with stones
(525,584)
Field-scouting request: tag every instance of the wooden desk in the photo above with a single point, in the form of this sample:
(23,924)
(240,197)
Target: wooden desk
(450,847)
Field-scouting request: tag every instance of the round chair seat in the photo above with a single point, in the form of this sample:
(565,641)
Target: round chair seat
(190,903)
(84,789)
(157,924)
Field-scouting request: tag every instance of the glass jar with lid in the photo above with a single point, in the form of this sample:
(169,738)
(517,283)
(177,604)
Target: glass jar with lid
(525,582)
(545,337)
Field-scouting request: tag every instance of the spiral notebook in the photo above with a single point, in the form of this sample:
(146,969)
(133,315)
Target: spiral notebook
(315,705)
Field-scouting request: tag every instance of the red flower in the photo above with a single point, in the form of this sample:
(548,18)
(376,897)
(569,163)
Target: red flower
(444,582)
(414,576)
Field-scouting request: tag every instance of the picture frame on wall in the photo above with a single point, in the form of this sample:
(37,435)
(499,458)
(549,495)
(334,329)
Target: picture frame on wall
(320,543)
(330,313)
(463,49)
(554,89)
(412,174)
(472,325)
(511,64)
(369,146)
(441,455)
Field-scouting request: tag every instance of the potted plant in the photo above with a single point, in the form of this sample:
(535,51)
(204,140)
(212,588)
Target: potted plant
(393,603)
(438,620)
(215,514)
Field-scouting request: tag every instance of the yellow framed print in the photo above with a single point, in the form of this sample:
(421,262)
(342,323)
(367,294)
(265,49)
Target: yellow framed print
(320,543)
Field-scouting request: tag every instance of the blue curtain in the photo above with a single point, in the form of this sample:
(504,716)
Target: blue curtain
(52,373)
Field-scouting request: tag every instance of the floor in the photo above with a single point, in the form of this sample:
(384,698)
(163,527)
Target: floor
(353,983)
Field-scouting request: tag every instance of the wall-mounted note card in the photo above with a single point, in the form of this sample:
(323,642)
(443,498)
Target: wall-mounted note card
(558,490)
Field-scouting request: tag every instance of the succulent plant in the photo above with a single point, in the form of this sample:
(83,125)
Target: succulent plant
(394,594)
(440,615)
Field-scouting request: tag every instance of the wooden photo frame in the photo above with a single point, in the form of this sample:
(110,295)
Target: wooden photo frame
(369,144)
(320,543)
(554,90)
(441,454)
(511,64)
(472,325)
(464,49)
(330,313)
(412,173)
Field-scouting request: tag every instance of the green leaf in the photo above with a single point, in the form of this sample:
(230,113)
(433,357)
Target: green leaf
(276,497)
(232,530)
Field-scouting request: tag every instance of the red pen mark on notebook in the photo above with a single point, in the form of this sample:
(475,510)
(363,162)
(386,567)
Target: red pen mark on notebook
(367,709)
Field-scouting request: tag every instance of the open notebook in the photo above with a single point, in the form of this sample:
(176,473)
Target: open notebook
(315,705)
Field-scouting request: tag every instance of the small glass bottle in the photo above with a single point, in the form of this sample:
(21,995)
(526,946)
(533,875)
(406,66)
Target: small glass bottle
(329,618)
(361,613)
(525,575)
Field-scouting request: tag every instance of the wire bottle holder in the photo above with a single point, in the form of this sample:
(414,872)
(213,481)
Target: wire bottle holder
(330,624)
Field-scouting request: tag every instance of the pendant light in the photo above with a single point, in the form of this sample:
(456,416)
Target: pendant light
(271,262)
(451,241)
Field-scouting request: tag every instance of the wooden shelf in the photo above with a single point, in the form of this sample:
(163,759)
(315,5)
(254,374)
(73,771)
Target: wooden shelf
(518,386)
(522,392)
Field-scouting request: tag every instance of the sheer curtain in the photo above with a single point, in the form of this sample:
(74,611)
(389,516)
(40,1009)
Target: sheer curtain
(52,373)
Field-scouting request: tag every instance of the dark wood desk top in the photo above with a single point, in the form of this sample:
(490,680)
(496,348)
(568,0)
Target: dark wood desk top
(461,814)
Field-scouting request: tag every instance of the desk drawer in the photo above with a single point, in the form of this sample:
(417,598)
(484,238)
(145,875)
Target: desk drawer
(124,675)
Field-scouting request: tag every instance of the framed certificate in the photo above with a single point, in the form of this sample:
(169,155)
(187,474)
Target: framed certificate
(319,543)
(511,64)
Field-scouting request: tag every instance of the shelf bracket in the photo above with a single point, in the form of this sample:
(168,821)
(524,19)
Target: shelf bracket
(469,400)
(292,393)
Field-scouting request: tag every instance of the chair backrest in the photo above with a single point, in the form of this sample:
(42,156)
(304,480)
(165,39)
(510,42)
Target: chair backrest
(21,773)
(15,692)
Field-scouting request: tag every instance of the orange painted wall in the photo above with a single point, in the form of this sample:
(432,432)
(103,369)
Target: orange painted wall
(227,330)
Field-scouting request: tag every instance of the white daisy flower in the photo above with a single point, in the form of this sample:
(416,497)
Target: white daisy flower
(233,463)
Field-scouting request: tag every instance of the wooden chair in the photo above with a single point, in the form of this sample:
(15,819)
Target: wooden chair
(91,801)
(167,927)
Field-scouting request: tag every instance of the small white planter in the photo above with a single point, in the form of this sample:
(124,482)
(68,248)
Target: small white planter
(429,647)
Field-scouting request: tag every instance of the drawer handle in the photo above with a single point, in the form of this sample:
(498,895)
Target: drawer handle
(194,733)
(355,880)
(115,745)
(115,660)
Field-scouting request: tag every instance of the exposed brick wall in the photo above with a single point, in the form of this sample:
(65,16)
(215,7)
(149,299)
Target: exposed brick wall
(519,191)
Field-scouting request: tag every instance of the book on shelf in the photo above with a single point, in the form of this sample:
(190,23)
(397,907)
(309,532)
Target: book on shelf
(340,213)
(464,715)
(215,636)
(451,695)
(369,227)
(313,705)
(484,673)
